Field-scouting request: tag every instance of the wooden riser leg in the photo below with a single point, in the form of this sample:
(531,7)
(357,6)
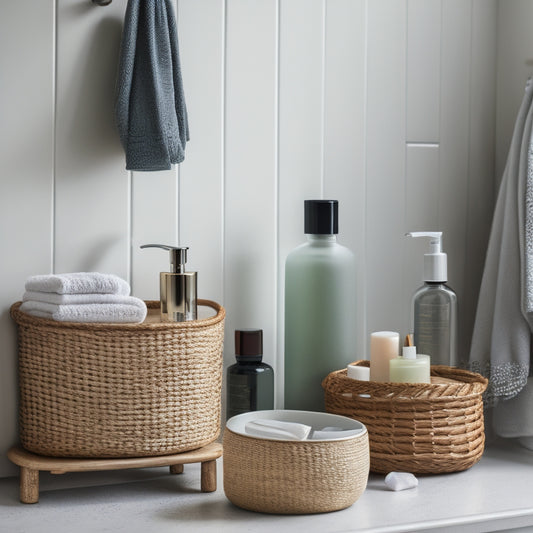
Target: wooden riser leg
(209,476)
(29,485)
(176,469)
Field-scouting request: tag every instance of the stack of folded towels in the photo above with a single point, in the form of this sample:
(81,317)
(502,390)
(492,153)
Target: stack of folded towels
(82,297)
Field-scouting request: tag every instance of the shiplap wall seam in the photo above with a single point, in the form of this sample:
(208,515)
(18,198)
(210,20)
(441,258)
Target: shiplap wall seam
(129,257)
(365,342)
(53,228)
(278,313)
(323,37)
(223,81)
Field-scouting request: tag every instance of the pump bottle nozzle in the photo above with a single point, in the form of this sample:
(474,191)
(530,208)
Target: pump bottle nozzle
(435,262)
(178,255)
(436,239)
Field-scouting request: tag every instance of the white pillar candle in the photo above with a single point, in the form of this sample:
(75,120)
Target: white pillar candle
(362,373)
(384,346)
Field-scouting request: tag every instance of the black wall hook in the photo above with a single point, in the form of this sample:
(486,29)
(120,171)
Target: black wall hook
(102,2)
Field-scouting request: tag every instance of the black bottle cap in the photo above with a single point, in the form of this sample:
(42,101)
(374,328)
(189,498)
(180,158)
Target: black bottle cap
(321,217)
(249,342)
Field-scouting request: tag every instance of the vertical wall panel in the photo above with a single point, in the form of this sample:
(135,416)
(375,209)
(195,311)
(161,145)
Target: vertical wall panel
(92,185)
(421,214)
(301,46)
(385,178)
(154,220)
(26,180)
(481,154)
(344,135)
(422,188)
(201,36)
(423,70)
(251,171)
(422,153)
(453,176)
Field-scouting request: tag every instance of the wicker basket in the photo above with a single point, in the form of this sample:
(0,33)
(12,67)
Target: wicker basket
(420,428)
(294,477)
(119,390)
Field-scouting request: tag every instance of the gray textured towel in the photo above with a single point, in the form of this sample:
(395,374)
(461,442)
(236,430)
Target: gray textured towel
(501,341)
(150,105)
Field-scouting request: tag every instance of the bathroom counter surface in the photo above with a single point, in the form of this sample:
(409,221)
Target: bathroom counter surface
(494,495)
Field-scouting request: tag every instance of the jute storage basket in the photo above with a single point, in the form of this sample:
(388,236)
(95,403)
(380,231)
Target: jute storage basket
(119,390)
(421,428)
(294,477)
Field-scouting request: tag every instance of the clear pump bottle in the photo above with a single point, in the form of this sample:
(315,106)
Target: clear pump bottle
(435,307)
(320,308)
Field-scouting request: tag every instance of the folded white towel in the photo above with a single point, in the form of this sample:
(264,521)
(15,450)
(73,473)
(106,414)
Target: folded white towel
(131,310)
(277,429)
(69,299)
(78,283)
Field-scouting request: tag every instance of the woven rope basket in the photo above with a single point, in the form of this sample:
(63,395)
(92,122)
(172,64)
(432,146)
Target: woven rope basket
(119,390)
(294,477)
(421,428)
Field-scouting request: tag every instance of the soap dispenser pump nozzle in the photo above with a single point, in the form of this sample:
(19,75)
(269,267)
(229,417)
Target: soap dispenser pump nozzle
(178,288)
(435,262)
(178,255)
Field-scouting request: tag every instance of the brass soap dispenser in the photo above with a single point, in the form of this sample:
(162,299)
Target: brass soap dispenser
(178,288)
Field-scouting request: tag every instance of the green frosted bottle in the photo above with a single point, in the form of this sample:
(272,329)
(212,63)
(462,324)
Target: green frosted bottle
(320,308)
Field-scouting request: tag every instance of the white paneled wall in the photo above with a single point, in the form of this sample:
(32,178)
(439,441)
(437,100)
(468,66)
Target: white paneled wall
(387,105)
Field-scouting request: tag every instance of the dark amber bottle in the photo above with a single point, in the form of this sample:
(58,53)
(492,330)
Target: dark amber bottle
(250,382)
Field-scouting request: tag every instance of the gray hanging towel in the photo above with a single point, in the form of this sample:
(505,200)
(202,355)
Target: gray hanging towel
(150,105)
(501,341)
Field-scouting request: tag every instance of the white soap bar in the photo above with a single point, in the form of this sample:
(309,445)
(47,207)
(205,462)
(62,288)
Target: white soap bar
(400,480)
(277,429)
(362,373)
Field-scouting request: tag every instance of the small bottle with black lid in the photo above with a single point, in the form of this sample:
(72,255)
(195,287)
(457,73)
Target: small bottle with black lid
(250,382)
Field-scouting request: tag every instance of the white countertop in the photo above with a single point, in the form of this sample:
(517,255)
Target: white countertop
(495,494)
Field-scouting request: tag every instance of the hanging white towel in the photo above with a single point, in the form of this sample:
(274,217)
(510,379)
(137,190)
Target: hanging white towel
(78,283)
(501,342)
